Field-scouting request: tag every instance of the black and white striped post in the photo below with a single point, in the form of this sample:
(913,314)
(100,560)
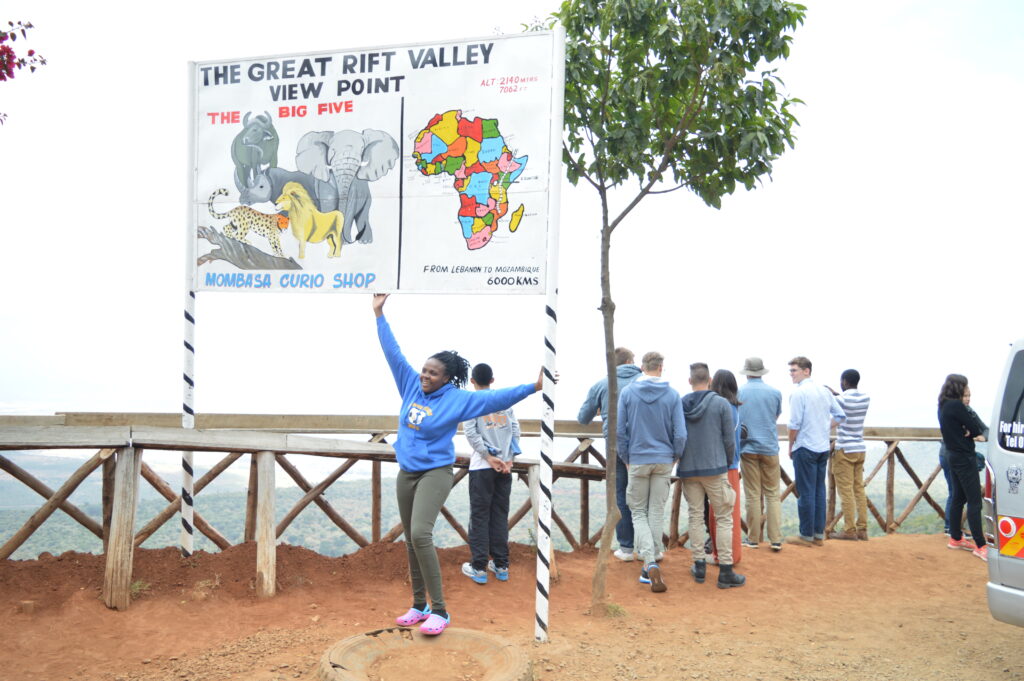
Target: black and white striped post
(547,428)
(188,420)
(188,414)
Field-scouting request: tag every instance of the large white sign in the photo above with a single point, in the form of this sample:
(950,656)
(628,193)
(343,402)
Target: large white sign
(421,167)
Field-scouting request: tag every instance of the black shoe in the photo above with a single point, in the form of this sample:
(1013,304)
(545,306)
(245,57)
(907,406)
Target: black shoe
(699,571)
(727,578)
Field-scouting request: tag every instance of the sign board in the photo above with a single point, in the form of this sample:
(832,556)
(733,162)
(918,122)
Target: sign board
(422,168)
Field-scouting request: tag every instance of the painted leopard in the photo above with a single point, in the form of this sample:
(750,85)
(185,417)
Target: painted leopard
(244,218)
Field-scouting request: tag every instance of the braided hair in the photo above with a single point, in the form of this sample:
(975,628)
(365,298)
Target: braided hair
(455,365)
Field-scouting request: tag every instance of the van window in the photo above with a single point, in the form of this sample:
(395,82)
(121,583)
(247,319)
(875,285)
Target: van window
(1011,411)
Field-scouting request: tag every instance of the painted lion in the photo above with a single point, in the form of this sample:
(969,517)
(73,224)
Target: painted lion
(309,224)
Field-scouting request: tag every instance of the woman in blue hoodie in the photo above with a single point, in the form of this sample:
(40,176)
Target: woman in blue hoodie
(433,405)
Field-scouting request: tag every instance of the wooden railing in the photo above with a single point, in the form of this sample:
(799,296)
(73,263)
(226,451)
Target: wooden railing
(122,438)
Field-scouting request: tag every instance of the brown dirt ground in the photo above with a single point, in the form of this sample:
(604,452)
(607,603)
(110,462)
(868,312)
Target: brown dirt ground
(896,607)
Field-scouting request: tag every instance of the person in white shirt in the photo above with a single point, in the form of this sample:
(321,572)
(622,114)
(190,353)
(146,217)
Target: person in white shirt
(812,412)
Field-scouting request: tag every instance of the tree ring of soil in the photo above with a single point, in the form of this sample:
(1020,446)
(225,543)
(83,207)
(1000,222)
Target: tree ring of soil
(402,653)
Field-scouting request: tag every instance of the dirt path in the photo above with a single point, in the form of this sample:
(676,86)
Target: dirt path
(898,607)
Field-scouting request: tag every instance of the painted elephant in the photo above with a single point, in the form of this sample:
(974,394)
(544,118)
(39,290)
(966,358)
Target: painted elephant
(349,160)
(254,148)
(269,184)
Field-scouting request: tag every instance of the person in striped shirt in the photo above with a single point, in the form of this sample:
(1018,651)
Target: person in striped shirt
(848,459)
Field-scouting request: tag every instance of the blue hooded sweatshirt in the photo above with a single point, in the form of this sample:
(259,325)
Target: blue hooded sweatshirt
(651,427)
(597,397)
(427,422)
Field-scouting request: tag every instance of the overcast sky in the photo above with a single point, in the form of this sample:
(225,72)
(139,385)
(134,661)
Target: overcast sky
(886,241)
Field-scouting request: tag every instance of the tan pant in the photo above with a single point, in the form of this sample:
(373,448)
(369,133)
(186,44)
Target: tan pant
(848,469)
(761,475)
(721,498)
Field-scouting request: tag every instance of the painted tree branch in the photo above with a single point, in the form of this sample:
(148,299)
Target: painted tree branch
(242,256)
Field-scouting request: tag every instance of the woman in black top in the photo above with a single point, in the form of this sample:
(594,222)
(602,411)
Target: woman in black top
(960,426)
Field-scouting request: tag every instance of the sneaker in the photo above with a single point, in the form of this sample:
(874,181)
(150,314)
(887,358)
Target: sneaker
(625,555)
(818,541)
(862,535)
(500,572)
(653,571)
(478,576)
(747,544)
(645,578)
(961,543)
(980,552)
(776,546)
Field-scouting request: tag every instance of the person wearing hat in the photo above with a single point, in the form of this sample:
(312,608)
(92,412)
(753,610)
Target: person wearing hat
(759,453)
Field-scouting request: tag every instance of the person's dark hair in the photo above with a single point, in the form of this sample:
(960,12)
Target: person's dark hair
(724,383)
(953,388)
(455,365)
(483,374)
(801,362)
(851,376)
(699,373)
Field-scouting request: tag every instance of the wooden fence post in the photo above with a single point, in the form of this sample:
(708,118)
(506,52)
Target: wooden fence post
(585,502)
(266,537)
(250,501)
(890,491)
(117,578)
(375,506)
(107,497)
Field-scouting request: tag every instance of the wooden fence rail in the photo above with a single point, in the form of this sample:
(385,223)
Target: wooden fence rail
(269,441)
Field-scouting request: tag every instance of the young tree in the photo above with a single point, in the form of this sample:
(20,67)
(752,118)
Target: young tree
(673,94)
(9,60)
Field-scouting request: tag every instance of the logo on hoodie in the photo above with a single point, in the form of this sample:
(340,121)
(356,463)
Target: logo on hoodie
(416,415)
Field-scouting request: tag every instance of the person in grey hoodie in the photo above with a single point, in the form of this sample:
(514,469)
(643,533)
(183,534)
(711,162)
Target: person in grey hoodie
(710,450)
(652,434)
(597,403)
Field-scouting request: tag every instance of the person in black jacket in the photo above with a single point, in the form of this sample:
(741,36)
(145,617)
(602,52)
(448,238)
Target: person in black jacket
(960,426)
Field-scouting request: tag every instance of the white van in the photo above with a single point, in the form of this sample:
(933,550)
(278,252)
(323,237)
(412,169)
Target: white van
(1004,495)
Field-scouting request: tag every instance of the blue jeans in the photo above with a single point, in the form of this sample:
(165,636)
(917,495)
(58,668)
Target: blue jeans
(624,529)
(944,462)
(810,468)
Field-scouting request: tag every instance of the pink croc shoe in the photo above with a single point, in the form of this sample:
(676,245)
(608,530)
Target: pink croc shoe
(414,616)
(435,624)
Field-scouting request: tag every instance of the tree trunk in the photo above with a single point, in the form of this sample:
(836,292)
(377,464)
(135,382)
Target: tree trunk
(612,515)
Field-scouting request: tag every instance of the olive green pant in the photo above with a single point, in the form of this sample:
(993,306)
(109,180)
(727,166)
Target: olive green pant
(420,497)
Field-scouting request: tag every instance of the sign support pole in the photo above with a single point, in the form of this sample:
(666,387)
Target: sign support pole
(188,419)
(548,417)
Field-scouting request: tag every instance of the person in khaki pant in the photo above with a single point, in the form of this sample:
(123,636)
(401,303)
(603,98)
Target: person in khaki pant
(710,449)
(848,459)
(760,407)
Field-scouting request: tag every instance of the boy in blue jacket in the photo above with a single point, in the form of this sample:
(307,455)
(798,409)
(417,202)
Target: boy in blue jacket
(652,435)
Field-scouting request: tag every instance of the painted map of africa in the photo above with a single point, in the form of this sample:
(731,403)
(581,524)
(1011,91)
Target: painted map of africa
(474,152)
